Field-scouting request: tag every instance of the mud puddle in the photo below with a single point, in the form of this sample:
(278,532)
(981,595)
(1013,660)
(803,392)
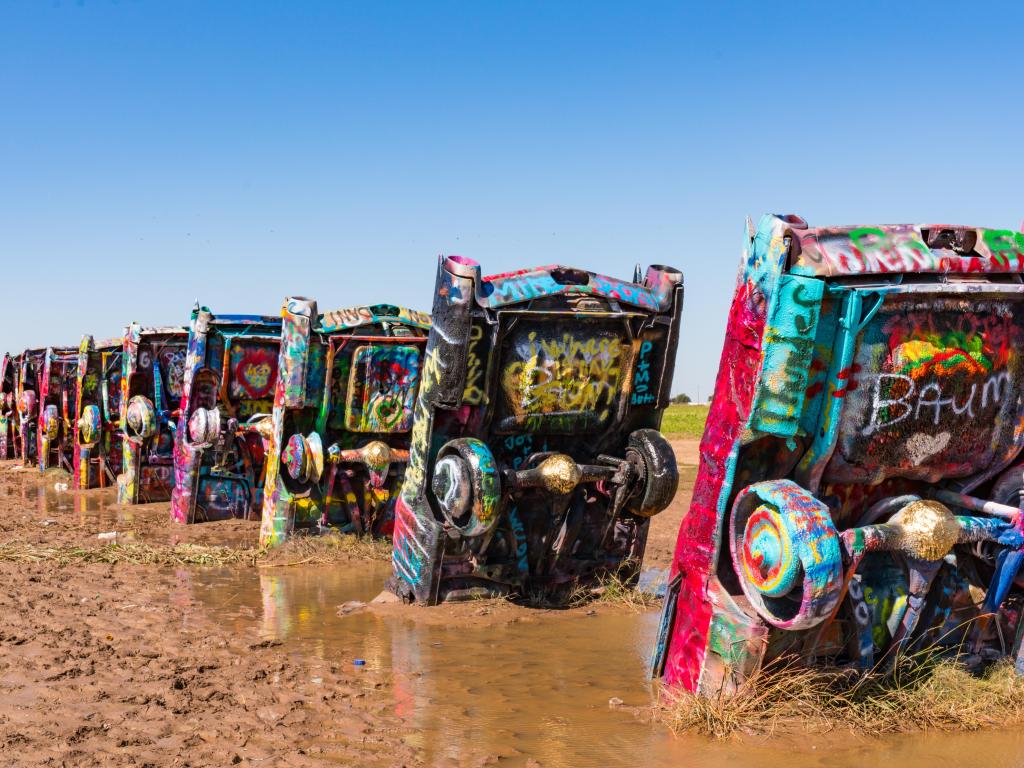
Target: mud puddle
(36,505)
(474,684)
(498,683)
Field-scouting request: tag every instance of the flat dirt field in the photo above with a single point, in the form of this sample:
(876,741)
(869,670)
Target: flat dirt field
(122,663)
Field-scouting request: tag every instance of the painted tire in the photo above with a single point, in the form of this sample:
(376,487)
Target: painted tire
(295,458)
(51,422)
(467,487)
(204,425)
(785,551)
(303,457)
(140,417)
(27,405)
(661,473)
(90,425)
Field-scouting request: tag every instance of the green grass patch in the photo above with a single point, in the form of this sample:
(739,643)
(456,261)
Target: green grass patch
(684,420)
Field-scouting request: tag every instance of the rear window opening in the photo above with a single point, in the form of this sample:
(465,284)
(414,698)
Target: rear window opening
(565,276)
(956,239)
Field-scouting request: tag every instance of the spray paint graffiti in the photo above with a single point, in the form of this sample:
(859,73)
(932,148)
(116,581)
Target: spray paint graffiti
(642,394)
(788,351)
(355,317)
(57,395)
(382,388)
(553,280)
(935,391)
(474,393)
(563,381)
(906,248)
(27,403)
(253,371)
(842,414)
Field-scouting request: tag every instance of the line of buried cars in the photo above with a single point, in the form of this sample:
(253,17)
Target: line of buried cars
(860,488)
(508,444)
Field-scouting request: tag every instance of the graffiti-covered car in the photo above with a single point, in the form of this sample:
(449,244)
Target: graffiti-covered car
(343,413)
(30,372)
(58,384)
(10,445)
(860,480)
(152,384)
(96,413)
(224,420)
(535,461)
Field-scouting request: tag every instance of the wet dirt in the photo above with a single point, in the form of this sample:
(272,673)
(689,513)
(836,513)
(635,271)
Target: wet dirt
(146,665)
(661,539)
(39,509)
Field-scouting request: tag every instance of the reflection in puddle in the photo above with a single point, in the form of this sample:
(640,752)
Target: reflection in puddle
(49,494)
(522,685)
(516,686)
(47,500)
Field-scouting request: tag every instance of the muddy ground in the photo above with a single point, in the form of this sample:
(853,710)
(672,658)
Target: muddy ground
(120,664)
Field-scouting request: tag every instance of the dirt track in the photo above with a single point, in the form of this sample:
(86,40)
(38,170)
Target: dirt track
(661,540)
(119,665)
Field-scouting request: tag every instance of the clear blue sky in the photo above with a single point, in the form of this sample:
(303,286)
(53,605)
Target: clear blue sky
(153,152)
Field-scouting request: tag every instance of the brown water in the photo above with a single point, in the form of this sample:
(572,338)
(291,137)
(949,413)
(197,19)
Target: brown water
(49,496)
(96,508)
(45,503)
(520,686)
(480,682)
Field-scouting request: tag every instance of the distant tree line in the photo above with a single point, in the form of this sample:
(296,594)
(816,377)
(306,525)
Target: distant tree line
(684,399)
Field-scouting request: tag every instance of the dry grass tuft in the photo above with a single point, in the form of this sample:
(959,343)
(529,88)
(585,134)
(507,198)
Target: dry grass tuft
(329,547)
(143,554)
(614,589)
(300,550)
(923,693)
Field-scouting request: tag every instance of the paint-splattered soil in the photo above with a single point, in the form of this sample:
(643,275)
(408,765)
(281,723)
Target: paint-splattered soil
(120,665)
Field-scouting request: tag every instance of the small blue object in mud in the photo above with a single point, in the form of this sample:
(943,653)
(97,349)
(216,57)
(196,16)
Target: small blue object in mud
(653,581)
(360,662)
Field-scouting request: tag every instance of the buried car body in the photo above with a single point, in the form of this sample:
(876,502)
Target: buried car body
(343,412)
(535,457)
(152,379)
(10,443)
(96,420)
(224,417)
(859,481)
(30,371)
(58,385)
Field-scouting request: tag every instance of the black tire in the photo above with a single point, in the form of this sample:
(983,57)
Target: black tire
(661,474)
(1006,489)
